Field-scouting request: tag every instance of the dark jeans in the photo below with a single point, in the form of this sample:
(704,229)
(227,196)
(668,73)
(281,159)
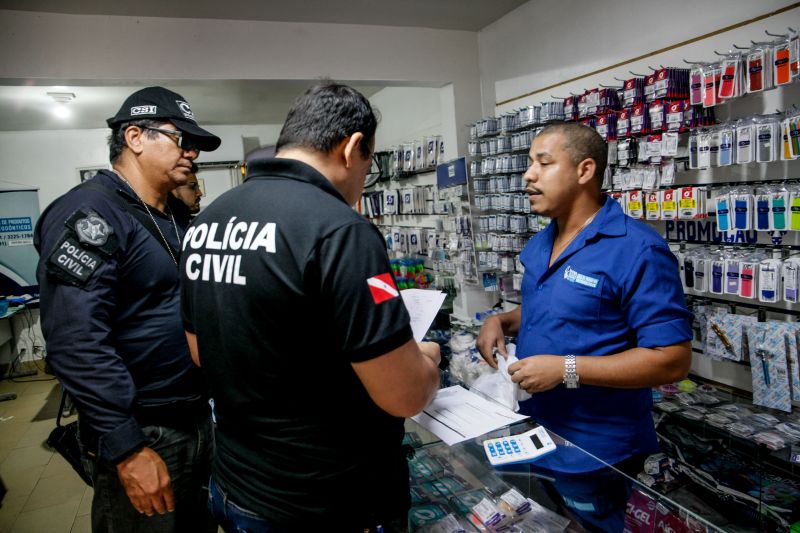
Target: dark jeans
(599,499)
(236,519)
(187,452)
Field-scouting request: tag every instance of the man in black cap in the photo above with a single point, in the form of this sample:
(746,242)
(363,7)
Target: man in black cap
(110,314)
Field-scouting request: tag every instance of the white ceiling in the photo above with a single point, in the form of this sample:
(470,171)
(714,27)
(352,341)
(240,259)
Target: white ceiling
(24,105)
(28,107)
(470,15)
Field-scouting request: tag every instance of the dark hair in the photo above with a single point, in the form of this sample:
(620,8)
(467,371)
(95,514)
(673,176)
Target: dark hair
(581,142)
(116,141)
(324,115)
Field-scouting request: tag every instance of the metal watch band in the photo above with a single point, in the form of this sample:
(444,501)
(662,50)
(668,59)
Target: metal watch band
(571,379)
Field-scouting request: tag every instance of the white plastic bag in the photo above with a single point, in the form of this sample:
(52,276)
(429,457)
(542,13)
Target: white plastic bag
(497,384)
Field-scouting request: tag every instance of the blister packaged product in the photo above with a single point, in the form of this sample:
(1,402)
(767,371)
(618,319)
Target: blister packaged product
(724,336)
(686,398)
(653,205)
(789,430)
(426,514)
(669,204)
(770,439)
(718,420)
(739,429)
(668,407)
(768,364)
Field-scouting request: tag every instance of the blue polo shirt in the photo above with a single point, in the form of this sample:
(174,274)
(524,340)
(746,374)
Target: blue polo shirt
(614,288)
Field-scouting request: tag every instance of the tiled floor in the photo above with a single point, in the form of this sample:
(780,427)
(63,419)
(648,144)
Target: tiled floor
(44,494)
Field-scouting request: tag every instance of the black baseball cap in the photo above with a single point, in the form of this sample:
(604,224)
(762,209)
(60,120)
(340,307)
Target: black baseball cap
(158,102)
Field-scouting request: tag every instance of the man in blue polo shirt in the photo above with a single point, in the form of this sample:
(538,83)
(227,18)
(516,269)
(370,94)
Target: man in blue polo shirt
(602,320)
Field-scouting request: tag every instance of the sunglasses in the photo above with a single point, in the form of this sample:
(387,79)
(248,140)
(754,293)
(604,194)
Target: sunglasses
(185,142)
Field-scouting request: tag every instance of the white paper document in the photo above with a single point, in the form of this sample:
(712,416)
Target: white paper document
(422,306)
(456,415)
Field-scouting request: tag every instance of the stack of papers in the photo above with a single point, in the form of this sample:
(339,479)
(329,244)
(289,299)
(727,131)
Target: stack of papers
(456,415)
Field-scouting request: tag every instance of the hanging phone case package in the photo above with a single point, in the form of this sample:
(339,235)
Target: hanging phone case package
(748,277)
(688,271)
(408,157)
(791,279)
(794,210)
(713,148)
(744,142)
(696,85)
(711,75)
(756,63)
(794,56)
(782,68)
(701,274)
(726,144)
(732,276)
(779,201)
(786,141)
(768,364)
(742,210)
(728,80)
(722,204)
(692,149)
(716,284)
(769,280)
(792,341)
(762,212)
(704,149)
(768,140)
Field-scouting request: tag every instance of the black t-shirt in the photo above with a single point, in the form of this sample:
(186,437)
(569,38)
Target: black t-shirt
(285,286)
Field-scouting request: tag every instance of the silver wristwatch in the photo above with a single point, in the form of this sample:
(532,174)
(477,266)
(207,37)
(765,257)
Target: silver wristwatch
(571,379)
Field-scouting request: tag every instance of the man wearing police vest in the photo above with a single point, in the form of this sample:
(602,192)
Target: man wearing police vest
(108,274)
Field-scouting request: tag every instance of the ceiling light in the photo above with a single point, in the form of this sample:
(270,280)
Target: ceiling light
(61,99)
(61,111)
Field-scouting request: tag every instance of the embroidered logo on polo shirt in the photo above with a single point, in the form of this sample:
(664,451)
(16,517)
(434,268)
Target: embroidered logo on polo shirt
(574,277)
(382,287)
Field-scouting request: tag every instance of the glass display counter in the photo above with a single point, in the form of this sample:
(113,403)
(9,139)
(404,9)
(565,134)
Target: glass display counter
(455,489)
